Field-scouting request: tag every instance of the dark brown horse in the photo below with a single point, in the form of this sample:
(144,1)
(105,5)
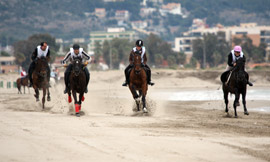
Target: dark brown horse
(40,80)
(22,82)
(138,82)
(77,84)
(235,82)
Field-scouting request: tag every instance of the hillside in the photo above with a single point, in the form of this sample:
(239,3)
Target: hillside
(68,19)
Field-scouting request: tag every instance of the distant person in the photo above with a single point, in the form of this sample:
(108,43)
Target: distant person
(42,50)
(139,49)
(74,52)
(23,74)
(234,55)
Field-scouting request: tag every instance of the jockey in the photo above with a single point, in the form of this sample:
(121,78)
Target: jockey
(234,55)
(41,50)
(23,74)
(139,49)
(74,52)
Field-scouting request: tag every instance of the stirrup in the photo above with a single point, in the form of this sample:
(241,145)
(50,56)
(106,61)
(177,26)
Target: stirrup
(249,83)
(150,83)
(66,90)
(125,84)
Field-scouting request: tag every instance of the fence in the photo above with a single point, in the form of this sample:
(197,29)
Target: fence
(9,84)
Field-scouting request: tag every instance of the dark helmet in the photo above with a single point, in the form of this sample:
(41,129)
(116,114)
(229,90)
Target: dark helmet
(76,46)
(139,43)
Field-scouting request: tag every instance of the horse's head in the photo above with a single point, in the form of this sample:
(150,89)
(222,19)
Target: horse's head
(137,63)
(77,65)
(41,66)
(240,72)
(240,64)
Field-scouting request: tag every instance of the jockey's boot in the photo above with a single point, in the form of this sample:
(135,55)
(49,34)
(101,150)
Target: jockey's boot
(125,84)
(30,84)
(86,90)
(150,83)
(249,83)
(66,90)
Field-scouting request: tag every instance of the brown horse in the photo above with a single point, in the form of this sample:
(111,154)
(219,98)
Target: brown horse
(40,79)
(77,84)
(236,84)
(22,82)
(138,82)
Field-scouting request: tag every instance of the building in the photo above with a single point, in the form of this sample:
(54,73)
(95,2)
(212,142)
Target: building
(172,8)
(139,24)
(100,12)
(111,33)
(122,15)
(258,34)
(7,64)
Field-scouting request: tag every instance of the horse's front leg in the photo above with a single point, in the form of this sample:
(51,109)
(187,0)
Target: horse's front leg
(225,93)
(135,95)
(23,89)
(43,98)
(244,103)
(37,93)
(144,91)
(48,95)
(76,103)
(236,102)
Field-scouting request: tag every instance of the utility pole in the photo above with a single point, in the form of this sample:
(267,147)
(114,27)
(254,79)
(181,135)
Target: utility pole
(204,52)
(110,55)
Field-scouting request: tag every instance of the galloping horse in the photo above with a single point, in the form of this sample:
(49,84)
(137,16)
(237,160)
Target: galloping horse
(77,84)
(138,82)
(40,79)
(236,84)
(22,82)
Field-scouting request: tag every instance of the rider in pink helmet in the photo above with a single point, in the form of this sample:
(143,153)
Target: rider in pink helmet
(234,55)
(237,49)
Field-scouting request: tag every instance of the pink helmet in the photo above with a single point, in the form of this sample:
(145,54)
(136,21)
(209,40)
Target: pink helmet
(237,49)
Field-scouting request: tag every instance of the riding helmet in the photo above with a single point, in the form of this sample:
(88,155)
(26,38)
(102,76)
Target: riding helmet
(139,43)
(76,46)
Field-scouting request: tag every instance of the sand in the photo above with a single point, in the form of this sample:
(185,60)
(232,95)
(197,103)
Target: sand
(108,130)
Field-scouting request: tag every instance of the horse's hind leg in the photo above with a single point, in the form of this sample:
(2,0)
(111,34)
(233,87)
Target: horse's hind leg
(225,93)
(48,95)
(236,103)
(244,103)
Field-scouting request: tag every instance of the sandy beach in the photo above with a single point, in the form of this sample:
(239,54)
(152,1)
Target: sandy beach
(195,130)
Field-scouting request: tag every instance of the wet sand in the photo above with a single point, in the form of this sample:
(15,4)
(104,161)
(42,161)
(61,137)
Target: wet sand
(109,130)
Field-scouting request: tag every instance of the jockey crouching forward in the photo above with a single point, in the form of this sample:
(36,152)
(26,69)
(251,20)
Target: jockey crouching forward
(234,55)
(41,51)
(139,49)
(76,52)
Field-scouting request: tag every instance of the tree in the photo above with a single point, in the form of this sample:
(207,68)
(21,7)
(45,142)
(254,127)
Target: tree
(23,49)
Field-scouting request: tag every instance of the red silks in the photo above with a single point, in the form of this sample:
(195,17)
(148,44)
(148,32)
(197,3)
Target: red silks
(82,98)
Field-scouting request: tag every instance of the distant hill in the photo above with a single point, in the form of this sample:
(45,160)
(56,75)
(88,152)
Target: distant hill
(68,19)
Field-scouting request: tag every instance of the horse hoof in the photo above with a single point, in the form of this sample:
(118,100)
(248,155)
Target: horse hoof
(246,113)
(78,114)
(37,100)
(145,110)
(48,99)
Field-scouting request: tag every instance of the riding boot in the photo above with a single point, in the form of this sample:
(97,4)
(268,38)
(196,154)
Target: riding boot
(249,83)
(149,78)
(87,74)
(30,72)
(127,77)
(66,77)
(49,76)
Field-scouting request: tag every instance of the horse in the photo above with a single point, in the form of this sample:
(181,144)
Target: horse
(235,82)
(138,82)
(40,80)
(22,82)
(77,84)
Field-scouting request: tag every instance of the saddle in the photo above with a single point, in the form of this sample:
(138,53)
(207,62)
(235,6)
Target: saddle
(224,76)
